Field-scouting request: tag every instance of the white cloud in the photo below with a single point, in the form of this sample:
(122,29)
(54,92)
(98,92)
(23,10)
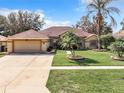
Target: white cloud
(86,1)
(40,12)
(50,23)
(48,20)
(5,11)
(82,5)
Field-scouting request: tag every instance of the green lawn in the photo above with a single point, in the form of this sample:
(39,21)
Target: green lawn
(2,54)
(92,59)
(86,81)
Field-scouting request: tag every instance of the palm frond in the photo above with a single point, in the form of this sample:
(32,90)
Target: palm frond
(113,10)
(105,12)
(89,13)
(106,2)
(113,22)
(92,6)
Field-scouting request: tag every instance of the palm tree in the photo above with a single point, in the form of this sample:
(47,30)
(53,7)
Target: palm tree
(102,11)
(122,24)
(68,40)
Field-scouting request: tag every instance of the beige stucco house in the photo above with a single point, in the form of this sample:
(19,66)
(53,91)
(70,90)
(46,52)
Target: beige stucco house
(88,40)
(91,41)
(32,41)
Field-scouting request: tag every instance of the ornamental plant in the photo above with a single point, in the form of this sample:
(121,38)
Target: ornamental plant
(68,40)
(106,40)
(118,48)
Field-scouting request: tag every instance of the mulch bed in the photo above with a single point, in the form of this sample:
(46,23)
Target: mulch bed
(76,57)
(100,50)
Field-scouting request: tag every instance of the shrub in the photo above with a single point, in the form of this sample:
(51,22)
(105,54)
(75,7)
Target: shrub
(49,48)
(106,40)
(118,48)
(120,39)
(75,47)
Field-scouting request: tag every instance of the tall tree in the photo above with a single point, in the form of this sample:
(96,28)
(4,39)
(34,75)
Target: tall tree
(85,24)
(106,29)
(101,10)
(90,26)
(2,19)
(21,21)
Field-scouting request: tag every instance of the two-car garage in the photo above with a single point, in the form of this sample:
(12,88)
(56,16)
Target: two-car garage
(29,41)
(28,46)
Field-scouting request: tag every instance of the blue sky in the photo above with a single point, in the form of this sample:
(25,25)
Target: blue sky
(56,12)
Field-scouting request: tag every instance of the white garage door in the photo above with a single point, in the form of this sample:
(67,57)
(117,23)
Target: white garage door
(27,46)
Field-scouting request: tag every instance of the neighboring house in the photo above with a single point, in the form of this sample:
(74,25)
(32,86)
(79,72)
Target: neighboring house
(119,35)
(3,44)
(88,40)
(32,41)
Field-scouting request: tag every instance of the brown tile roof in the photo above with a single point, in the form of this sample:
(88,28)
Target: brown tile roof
(30,34)
(58,30)
(81,33)
(119,34)
(3,38)
(55,31)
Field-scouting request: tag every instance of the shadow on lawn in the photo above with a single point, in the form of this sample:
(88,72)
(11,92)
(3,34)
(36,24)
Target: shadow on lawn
(85,62)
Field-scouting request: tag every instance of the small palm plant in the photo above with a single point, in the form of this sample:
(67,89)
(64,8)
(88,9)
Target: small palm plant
(68,40)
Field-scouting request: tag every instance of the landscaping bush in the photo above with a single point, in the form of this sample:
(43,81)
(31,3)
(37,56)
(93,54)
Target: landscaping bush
(120,39)
(75,47)
(49,48)
(118,48)
(106,40)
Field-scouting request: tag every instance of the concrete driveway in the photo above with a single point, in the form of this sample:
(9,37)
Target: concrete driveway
(24,73)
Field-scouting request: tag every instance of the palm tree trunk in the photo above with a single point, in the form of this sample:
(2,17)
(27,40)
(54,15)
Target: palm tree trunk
(99,43)
(99,23)
(98,33)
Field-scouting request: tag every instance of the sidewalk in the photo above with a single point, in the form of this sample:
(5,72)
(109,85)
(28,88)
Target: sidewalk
(85,67)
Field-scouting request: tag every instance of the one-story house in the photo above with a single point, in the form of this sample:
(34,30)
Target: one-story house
(38,41)
(88,40)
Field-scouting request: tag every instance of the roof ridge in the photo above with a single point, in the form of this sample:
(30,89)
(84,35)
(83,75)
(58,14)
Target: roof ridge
(28,34)
(24,32)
